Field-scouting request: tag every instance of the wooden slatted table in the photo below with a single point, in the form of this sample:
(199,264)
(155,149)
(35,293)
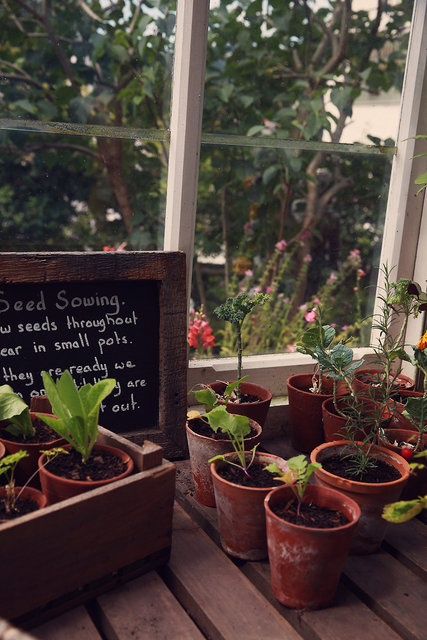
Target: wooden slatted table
(203,593)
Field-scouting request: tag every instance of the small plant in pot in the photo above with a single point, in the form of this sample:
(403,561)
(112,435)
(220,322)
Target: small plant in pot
(247,398)
(17,501)
(309,532)
(207,437)
(23,430)
(307,392)
(240,485)
(88,464)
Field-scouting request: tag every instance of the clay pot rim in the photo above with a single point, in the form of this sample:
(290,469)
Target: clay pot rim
(233,484)
(31,445)
(251,422)
(388,408)
(368,370)
(310,488)
(251,389)
(299,376)
(94,483)
(363,487)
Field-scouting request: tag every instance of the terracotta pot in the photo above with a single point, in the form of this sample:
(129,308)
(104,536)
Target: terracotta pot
(417,482)
(202,449)
(254,410)
(306,563)
(28,466)
(399,421)
(371,497)
(370,391)
(241,515)
(28,493)
(57,488)
(334,424)
(305,411)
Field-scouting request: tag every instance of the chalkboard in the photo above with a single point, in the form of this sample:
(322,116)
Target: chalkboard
(101,315)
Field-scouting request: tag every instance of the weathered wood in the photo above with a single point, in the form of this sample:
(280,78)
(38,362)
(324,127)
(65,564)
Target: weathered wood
(143,609)
(393,591)
(220,598)
(68,545)
(166,270)
(73,624)
(408,542)
(146,456)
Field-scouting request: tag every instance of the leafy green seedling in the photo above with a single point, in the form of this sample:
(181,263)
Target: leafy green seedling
(16,412)
(236,427)
(8,466)
(405,510)
(77,410)
(235,310)
(296,477)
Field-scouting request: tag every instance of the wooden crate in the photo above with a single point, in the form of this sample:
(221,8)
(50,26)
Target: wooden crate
(75,549)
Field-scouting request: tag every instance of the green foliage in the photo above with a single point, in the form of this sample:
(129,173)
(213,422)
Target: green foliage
(210,399)
(236,427)
(16,412)
(77,410)
(7,467)
(297,476)
(404,510)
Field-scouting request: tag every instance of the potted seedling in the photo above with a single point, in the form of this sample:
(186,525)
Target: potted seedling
(309,532)
(240,486)
(17,501)
(89,465)
(22,429)
(205,442)
(246,398)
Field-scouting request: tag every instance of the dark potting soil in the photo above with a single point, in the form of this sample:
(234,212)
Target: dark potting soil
(382,472)
(311,515)
(100,466)
(43,434)
(22,506)
(376,380)
(257,477)
(202,428)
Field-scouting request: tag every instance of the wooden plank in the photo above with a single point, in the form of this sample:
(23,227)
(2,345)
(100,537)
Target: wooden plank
(394,592)
(408,543)
(222,601)
(342,619)
(145,456)
(143,609)
(73,624)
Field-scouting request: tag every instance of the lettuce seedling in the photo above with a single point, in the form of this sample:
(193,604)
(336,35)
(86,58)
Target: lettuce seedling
(210,399)
(77,410)
(296,477)
(16,412)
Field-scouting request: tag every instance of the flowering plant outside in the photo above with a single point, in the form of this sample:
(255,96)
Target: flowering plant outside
(200,334)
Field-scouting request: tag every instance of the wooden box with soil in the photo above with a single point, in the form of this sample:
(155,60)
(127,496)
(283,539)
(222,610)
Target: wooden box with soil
(71,551)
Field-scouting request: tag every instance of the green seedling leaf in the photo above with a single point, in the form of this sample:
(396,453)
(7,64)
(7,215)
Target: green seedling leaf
(404,510)
(14,410)
(235,426)
(207,397)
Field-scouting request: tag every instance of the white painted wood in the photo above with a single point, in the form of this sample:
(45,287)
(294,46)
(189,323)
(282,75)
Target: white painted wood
(186,122)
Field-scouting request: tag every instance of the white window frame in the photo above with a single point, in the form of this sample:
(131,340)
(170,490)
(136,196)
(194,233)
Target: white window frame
(406,215)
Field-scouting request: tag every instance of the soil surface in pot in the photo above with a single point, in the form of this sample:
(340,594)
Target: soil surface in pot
(311,515)
(258,476)
(244,397)
(382,472)
(43,434)
(100,466)
(376,380)
(202,428)
(22,506)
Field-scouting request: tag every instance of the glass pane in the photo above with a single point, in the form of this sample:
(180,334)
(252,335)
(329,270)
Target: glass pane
(85,101)
(105,63)
(80,194)
(306,70)
(263,224)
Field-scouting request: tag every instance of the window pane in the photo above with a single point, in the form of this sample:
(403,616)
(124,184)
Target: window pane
(263,225)
(85,101)
(79,193)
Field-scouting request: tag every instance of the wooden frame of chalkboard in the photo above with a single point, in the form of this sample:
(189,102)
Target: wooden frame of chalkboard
(121,315)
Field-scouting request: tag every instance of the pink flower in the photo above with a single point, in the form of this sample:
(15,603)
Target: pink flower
(280,295)
(316,301)
(354,288)
(354,257)
(281,245)
(268,289)
(360,273)
(200,329)
(333,325)
(332,277)
(344,327)
(292,348)
(249,273)
(310,316)
(303,307)
(307,257)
